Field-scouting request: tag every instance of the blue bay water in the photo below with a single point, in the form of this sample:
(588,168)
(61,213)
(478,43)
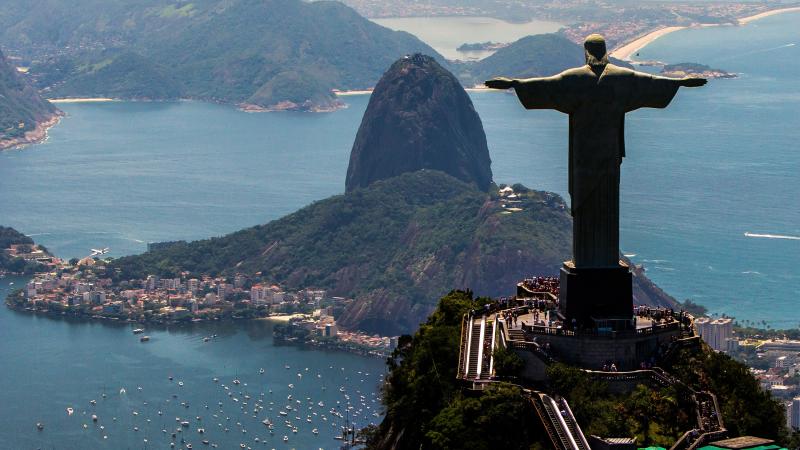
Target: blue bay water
(50,365)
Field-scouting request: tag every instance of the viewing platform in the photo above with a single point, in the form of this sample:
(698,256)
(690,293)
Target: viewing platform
(532,325)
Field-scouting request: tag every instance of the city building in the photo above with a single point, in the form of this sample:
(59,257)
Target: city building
(716,333)
(795,416)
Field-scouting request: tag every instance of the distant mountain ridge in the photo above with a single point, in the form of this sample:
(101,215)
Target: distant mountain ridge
(419,117)
(267,54)
(24,114)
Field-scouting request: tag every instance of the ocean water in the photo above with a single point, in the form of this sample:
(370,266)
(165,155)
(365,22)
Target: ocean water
(446,34)
(51,364)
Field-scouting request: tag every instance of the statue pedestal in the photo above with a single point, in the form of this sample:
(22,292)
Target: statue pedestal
(597,298)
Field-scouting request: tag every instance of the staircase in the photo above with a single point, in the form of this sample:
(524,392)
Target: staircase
(562,428)
(474,349)
(572,426)
(516,335)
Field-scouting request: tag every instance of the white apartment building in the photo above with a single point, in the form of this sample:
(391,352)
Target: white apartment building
(715,333)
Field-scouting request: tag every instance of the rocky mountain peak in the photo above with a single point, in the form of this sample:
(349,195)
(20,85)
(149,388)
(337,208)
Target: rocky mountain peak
(419,117)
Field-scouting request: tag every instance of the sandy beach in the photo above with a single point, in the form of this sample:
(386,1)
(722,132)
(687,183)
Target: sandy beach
(626,51)
(355,92)
(746,20)
(283,318)
(81,100)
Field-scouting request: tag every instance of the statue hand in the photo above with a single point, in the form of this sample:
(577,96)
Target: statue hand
(500,83)
(693,82)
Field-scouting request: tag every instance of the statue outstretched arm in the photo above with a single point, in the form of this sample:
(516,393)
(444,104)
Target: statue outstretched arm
(653,91)
(508,83)
(501,83)
(537,93)
(692,82)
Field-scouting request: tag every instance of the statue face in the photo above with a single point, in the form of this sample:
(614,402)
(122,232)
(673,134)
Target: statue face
(595,50)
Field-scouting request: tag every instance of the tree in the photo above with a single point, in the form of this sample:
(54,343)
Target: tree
(506,362)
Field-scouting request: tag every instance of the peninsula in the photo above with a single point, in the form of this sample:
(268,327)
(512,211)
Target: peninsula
(25,116)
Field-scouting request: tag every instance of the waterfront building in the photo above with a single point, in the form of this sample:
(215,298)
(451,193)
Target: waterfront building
(716,333)
(222,291)
(150,283)
(193,285)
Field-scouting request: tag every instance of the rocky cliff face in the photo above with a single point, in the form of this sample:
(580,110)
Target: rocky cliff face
(419,117)
(24,114)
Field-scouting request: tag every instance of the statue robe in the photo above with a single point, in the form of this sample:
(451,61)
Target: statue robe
(596,106)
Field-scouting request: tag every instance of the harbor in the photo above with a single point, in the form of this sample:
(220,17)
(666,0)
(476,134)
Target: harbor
(228,391)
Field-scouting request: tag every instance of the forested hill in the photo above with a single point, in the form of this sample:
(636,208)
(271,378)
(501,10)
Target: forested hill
(22,109)
(532,56)
(279,54)
(10,237)
(395,247)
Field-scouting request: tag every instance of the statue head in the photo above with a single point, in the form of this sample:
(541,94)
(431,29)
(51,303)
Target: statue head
(595,49)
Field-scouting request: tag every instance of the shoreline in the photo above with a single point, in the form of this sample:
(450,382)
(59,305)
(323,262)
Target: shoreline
(82,100)
(761,15)
(35,136)
(339,93)
(627,50)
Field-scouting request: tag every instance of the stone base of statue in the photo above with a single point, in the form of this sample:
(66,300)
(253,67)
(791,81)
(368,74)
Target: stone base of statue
(597,298)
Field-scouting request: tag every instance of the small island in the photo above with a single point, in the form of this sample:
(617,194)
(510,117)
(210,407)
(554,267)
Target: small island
(686,69)
(487,46)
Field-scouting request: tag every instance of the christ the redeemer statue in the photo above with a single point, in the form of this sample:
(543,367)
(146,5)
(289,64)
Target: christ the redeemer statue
(596,96)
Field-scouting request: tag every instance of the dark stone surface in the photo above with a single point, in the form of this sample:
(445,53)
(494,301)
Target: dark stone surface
(591,294)
(419,117)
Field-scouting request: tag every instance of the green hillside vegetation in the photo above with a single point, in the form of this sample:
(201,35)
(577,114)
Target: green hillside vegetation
(123,75)
(427,408)
(21,107)
(261,52)
(9,237)
(393,246)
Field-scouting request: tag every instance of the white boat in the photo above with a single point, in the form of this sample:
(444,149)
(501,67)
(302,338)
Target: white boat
(286,439)
(138,331)
(70,411)
(315,431)
(261,371)
(144,338)
(94,418)
(40,425)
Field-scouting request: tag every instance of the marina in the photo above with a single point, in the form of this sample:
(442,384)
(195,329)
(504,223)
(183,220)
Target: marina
(177,391)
